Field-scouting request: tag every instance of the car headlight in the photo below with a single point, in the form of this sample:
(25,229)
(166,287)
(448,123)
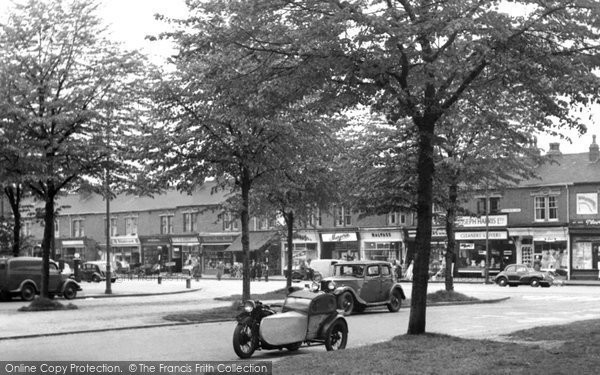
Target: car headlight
(331,285)
(314,287)
(249,306)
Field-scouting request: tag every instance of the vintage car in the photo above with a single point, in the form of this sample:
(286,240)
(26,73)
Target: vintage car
(520,274)
(95,271)
(22,276)
(306,317)
(361,284)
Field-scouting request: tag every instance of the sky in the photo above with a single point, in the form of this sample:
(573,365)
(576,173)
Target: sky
(130,21)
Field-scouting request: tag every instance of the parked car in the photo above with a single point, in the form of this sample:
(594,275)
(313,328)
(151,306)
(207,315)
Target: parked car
(22,276)
(361,284)
(306,318)
(95,271)
(520,274)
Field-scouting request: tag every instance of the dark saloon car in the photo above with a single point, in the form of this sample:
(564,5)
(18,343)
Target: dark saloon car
(361,284)
(520,274)
(95,271)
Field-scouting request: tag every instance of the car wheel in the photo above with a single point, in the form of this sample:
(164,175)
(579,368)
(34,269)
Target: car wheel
(534,283)
(395,301)
(70,291)
(294,347)
(244,342)
(27,292)
(346,302)
(502,281)
(96,278)
(337,336)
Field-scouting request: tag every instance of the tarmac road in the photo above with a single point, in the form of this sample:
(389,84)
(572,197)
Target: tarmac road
(526,308)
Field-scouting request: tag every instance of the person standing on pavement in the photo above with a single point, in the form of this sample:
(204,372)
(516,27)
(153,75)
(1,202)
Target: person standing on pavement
(220,270)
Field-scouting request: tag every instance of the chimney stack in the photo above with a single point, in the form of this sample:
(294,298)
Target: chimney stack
(554,149)
(594,150)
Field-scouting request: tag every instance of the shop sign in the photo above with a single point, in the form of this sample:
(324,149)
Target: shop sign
(339,237)
(587,203)
(73,243)
(387,236)
(124,241)
(466,246)
(187,241)
(304,237)
(435,232)
(586,223)
(481,235)
(474,221)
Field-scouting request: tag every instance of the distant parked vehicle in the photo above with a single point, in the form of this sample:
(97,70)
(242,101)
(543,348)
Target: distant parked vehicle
(520,274)
(22,276)
(95,271)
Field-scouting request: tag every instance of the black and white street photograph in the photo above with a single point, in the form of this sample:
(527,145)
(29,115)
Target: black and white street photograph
(299,187)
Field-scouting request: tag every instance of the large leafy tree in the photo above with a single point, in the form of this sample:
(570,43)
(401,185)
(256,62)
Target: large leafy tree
(228,112)
(61,76)
(416,60)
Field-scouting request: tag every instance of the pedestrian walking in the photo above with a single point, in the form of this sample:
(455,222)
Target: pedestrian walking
(258,270)
(253,271)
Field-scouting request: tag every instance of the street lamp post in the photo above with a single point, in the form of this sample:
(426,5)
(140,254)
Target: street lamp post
(108,289)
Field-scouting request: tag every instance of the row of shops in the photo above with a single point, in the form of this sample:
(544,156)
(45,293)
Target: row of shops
(572,250)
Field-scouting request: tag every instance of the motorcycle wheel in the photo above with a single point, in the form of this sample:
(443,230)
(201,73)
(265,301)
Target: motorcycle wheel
(337,336)
(244,342)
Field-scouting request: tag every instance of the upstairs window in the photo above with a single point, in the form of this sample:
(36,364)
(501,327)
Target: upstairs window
(189,222)
(131,225)
(342,217)
(166,224)
(494,205)
(546,208)
(77,228)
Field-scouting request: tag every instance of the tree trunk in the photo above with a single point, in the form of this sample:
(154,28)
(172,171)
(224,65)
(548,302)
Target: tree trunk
(450,222)
(289,220)
(14,199)
(245,183)
(425,165)
(48,237)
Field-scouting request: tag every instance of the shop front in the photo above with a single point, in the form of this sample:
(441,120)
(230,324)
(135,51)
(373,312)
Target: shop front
(212,251)
(126,248)
(264,253)
(542,247)
(585,247)
(156,251)
(185,248)
(305,248)
(340,245)
(477,248)
(437,253)
(384,244)
(85,249)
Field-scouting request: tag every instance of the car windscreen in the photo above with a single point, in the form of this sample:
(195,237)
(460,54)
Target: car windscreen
(296,304)
(349,270)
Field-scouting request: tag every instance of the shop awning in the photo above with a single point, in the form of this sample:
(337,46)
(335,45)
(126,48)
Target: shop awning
(258,240)
(541,234)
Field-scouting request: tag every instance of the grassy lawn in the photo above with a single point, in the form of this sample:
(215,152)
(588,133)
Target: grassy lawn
(230,312)
(565,349)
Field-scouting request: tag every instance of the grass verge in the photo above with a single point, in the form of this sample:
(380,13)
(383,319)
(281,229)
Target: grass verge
(230,312)
(46,304)
(534,351)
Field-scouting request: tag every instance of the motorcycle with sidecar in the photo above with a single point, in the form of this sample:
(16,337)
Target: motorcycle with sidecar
(306,318)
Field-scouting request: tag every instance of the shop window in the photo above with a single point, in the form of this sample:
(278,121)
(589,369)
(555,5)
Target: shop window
(77,228)
(551,255)
(546,208)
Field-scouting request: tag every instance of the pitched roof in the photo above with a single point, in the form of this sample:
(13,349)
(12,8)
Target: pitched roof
(81,204)
(566,169)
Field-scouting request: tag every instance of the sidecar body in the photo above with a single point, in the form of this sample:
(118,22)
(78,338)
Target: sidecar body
(306,317)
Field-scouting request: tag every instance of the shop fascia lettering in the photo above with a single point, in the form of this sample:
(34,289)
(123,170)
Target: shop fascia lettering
(481,235)
(474,221)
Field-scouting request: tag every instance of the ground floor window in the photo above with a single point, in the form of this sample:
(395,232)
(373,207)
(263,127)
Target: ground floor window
(584,254)
(553,255)
(214,254)
(302,253)
(388,251)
